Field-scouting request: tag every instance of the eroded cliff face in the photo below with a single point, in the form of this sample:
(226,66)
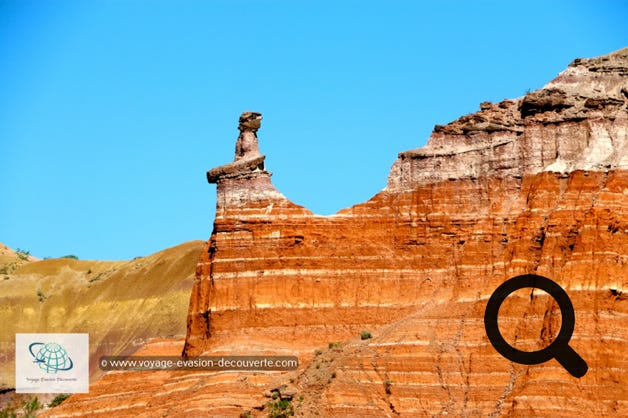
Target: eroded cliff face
(533,185)
(576,122)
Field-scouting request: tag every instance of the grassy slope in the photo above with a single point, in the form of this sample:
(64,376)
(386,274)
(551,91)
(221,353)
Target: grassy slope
(121,304)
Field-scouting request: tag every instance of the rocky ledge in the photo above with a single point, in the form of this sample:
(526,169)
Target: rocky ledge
(578,121)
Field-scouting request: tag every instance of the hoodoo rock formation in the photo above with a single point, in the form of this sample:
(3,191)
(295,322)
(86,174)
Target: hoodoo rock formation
(533,185)
(536,185)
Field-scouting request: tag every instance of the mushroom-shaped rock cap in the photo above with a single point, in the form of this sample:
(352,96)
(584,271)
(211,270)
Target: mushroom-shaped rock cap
(250,121)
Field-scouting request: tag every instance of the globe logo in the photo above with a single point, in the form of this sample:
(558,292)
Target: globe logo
(50,357)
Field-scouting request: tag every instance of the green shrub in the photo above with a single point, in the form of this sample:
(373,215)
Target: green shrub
(281,408)
(365,335)
(71,256)
(7,412)
(31,407)
(8,268)
(22,254)
(58,399)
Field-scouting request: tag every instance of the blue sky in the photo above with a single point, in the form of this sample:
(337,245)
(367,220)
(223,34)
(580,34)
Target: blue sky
(112,111)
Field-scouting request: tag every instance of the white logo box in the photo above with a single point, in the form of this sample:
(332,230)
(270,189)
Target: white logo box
(52,363)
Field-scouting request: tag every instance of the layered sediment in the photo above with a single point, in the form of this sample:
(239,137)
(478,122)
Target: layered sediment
(536,185)
(532,185)
(120,304)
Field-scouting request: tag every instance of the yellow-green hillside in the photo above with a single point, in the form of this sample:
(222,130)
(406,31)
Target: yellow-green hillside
(121,304)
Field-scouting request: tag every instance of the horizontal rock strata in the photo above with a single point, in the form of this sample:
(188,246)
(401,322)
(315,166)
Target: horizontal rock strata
(533,185)
(578,121)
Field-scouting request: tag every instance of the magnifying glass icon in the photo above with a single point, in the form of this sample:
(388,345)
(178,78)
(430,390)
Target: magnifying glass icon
(558,349)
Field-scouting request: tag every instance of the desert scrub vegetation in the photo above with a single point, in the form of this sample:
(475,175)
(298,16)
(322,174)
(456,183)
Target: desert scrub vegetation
(9,268)
(280,408)
(29,409)
(22,254)
(58,399)
(365,335)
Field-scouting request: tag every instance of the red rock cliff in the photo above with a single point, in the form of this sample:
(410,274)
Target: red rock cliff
(532,185)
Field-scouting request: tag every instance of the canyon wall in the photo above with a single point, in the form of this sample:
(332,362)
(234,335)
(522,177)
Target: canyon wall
(532,185)
(383,302)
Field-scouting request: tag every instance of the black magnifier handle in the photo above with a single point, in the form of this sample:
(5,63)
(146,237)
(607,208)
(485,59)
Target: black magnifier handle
(571,361)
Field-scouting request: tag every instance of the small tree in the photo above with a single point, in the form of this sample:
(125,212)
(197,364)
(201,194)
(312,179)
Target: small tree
(22,254)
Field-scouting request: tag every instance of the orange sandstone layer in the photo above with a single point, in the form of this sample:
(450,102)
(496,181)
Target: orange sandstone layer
(421,290)
(150,394)
(533,185)
(275,268)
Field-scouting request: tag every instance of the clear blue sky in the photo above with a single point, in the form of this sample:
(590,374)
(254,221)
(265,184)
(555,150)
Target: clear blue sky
(111,112)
